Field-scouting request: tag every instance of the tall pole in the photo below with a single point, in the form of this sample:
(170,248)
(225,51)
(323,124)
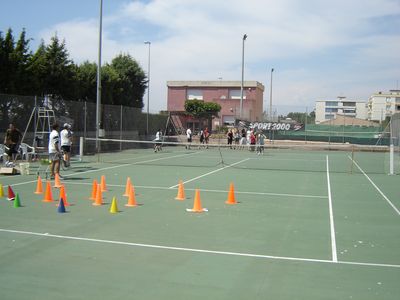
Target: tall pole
(148,89)
(241,86)
(98,97)
(270,98)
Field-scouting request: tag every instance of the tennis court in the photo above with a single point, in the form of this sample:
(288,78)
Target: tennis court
(306,225)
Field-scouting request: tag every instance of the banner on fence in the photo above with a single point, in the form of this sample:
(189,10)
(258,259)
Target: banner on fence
(271,126)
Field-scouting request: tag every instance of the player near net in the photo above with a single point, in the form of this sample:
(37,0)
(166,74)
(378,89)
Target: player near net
(54,151)
(157,140)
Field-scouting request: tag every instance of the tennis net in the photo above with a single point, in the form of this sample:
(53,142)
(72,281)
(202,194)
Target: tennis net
(283,156)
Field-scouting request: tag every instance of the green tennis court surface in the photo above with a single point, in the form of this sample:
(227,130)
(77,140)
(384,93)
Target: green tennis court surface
(307,225)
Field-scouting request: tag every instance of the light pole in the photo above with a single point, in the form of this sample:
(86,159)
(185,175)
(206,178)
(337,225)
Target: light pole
(98,96)
(270,98)
(148,89)
(241,86)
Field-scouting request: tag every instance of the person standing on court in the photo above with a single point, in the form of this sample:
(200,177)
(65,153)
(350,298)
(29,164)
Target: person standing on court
(230,138)
(12,140)
(66,142)
(54,151)
(157,144)
(189,137)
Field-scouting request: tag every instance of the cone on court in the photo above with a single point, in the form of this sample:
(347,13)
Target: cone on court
(57,183)
(197,204)
(99,197)
(11,195)
(94,190)
(231,195)
(103,183)
(39,186)
(132,198)
(1,190)
(181,191)
(17,201)
(127,187)
(48,196)
(114,206)
(63,195)
(61,206)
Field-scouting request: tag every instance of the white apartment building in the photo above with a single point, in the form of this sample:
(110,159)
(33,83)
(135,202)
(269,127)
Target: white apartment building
(381,105)
(328,109)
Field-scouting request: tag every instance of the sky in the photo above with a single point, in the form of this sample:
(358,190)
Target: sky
(319,49)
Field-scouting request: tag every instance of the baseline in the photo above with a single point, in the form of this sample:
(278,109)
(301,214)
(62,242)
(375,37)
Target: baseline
(251,255)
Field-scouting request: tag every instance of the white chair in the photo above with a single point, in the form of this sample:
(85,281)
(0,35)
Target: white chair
(3,154)
(27,152)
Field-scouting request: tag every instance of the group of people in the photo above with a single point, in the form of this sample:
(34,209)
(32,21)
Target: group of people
(204,136)
(59,144)
(253,140)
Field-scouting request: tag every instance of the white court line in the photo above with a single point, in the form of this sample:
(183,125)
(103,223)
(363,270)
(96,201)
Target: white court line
(331,221)
(207,190)
(376,187)
(109,168)
(209,173)
(251,255)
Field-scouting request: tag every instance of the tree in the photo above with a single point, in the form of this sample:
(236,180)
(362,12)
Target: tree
(202,110)
(131,83)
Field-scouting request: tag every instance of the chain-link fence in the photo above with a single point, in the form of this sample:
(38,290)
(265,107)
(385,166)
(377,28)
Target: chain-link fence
(118,122)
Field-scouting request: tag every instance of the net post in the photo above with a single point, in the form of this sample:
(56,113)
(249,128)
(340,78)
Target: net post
(81,148)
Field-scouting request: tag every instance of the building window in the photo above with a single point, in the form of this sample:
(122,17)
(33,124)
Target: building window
(235,94)
(330,109)
(194,94)
(329,117)
(331,103)
(349,104)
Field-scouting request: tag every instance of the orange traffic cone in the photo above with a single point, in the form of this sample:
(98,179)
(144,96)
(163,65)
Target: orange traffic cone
(181,191)
(63,196)
(231,195)
(48,196)
(103,183)
(57,183)
(94,190)
(39,186)
(132,198)
(99,197)
(127,187)
(197,204)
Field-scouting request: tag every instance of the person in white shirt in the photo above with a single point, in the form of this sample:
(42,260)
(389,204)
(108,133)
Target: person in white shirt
(54,151)
(157,144)
(66,141)
(189,138)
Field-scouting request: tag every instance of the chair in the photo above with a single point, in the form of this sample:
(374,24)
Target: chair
(26,151)
(3,152)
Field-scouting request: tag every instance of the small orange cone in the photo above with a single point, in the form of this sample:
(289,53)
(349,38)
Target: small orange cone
(63,196)
(231,195)
(127,187)
(99,197)
(181,191)
(57,183)
(39,186)
(132,198)
(94,190)
(48,196)
(197,204)
(103,183)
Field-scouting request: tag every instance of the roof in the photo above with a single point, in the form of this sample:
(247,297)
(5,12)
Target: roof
(216,83)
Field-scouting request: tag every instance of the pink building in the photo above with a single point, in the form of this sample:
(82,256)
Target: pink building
(225,93)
